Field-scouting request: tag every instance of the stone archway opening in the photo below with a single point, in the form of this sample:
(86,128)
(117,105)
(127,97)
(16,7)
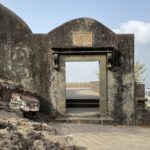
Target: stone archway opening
(82,87)
(102,80)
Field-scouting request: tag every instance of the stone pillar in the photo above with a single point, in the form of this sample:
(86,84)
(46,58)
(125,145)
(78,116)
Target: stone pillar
(103,84)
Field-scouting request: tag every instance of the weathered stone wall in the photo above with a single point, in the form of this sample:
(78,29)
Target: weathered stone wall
(28,59)
(121,78)
(14,47)
(121,82)
(40,59)
(102,36)
(24,57)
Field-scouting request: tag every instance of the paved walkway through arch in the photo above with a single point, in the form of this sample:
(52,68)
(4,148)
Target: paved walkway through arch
(97,137)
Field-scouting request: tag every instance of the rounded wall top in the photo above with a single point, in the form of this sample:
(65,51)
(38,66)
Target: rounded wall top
(80,21)
(5,12)
(85,31)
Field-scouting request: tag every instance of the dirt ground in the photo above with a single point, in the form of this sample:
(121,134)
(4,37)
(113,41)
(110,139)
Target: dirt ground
(107,137)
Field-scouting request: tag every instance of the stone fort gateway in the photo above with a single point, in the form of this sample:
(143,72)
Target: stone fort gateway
(37,63)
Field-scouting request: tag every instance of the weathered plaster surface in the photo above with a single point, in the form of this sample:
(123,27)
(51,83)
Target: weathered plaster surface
(28,59)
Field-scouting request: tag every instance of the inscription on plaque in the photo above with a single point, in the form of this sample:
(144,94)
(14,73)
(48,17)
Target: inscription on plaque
(82,38)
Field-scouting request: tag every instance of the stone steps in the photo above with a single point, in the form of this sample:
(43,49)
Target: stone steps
(86,120)
(71,103)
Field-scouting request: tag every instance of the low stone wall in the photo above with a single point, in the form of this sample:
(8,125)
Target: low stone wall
(140,109)
(142,114)
(139,90)
(94,85)
(78,85)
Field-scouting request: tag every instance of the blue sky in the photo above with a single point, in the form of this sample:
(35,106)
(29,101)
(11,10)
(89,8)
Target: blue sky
(44,15)
(121,16)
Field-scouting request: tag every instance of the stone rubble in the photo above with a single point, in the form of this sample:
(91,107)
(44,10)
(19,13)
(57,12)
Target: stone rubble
(23,134)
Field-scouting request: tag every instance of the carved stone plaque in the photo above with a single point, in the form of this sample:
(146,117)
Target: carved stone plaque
(82,38)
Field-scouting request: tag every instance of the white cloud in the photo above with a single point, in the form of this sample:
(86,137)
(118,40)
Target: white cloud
(139,28)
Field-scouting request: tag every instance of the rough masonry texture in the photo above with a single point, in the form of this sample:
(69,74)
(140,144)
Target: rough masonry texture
(36,61)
